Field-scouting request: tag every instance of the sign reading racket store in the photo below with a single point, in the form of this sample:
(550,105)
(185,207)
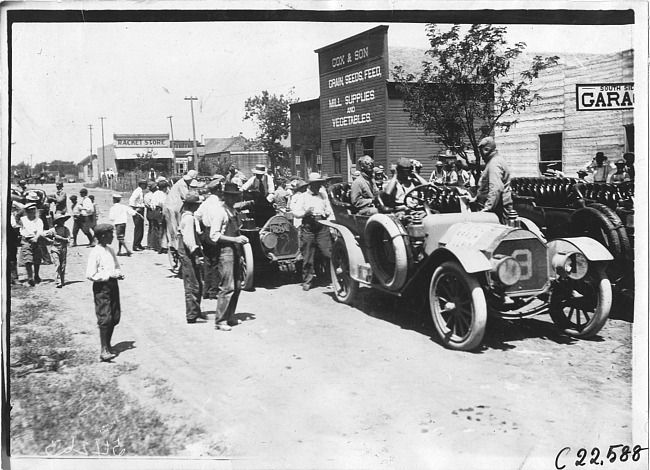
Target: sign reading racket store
(604,96)
(353,76)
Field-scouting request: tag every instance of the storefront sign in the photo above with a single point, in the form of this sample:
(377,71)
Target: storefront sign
(353,79)
(141,140)
(605,96)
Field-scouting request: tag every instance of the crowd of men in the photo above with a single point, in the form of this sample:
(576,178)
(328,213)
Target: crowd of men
(198,222)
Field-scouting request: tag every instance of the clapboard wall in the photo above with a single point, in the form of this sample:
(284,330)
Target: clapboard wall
(583,132)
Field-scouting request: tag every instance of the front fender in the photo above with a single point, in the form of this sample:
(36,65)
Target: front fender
(472,261)
(355,254)
(589,247)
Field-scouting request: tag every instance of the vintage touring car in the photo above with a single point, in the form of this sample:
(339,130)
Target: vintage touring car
(469,264)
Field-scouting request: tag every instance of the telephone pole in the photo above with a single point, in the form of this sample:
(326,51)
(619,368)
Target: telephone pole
(195,164)
(172,142)
(103,150)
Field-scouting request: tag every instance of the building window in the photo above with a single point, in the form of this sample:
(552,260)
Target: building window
(550,152)
(351,145)
(336,157)
(629,138)
(368,144)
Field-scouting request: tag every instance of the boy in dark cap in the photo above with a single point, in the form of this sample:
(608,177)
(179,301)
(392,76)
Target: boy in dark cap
(104,270)
(189,251)
(60,235)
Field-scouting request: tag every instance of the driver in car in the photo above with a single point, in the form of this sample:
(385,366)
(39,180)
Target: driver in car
(405,179)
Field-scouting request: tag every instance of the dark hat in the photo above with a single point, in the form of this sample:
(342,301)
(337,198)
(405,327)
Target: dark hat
(600,155)
(403,163)
(29,206)
(60,183)
(101,229)
(83,191)
(582,172)
(231,188)
(142,181)
(59,216)
(192,198)
(151,184)
(22,182)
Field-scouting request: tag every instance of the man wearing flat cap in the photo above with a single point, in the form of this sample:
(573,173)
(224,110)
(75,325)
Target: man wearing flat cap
(494,192)
(364,189)
(104,270)
(404,179)
(189,252)
(136,202)
(311,207)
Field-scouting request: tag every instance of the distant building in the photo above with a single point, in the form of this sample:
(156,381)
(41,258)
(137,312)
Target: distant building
(184,153)
(221,152)
(88,169)
(306,138)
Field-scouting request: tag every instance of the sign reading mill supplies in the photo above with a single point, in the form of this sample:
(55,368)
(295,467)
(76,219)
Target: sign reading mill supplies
(605,96)
(353,76)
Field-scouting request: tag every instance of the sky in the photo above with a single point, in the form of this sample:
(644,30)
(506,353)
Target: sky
(65,76)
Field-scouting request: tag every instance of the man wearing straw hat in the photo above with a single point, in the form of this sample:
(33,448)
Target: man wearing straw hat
(312,206)
(224,232)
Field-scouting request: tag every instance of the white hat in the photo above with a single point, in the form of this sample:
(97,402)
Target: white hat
(259,169)
(190,175)
(314,177)
(117,196)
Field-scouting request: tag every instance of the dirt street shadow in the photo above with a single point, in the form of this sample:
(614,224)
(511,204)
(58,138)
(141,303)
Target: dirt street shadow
(122,346)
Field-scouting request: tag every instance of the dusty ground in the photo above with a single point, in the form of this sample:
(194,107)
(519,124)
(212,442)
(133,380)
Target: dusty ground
(306,382)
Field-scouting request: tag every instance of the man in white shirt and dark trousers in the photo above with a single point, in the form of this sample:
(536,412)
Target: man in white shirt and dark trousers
(136,201)
(104,270)
(312,206)
(86,215)
(118,214)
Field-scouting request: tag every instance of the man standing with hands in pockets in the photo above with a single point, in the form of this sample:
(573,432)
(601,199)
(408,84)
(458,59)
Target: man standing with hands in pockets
(224,232)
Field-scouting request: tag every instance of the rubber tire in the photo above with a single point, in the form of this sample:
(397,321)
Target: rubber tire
(247,265)
(600,314)
(395,280)
(471,287)
(349,286)
(582,225)
(626,250)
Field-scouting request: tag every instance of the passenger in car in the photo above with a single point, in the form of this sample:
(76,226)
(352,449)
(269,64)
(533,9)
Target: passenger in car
(364,190)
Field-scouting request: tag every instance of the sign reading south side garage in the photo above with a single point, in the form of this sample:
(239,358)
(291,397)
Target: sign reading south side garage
(353,76)
(605,96)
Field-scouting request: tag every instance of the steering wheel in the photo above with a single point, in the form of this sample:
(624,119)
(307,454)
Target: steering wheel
(429,193)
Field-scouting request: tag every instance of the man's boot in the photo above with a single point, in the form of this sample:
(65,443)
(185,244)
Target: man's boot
(108,340)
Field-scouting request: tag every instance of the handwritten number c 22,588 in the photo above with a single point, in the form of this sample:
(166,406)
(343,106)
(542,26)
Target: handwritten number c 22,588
(625,454)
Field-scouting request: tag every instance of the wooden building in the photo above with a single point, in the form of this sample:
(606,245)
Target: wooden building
(221,152)
(585,106)
(306,137)
(361,109)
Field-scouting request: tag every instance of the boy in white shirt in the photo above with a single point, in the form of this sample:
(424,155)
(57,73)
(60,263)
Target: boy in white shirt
(104,270)
(118,214)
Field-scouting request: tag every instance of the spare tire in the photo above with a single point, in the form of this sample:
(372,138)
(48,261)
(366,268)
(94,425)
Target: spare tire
(613,217)
(389,251)
(590,222)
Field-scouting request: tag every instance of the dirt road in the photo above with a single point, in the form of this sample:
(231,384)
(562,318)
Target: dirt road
(306,382)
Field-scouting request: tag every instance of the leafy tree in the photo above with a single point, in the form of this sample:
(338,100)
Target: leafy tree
(468,87)
(271,114)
